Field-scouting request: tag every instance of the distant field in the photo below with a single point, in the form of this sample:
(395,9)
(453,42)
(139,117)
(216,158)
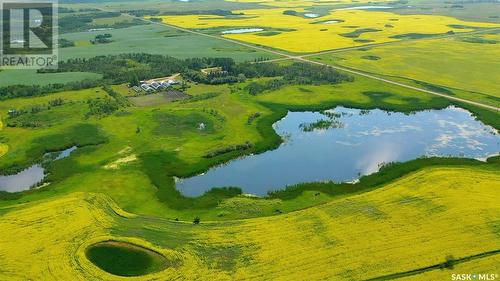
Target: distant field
(111,21)
(307,3)
(156,39)
(334,30)
(464,63)
(414,222)
(481,11)
(30,77)
(72,19)
(486,11)
(469,11)
(164,6)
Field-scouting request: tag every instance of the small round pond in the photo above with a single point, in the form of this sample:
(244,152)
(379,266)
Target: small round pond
(125,259)
(331,21)
(343,144)
(311,15)
(242,30)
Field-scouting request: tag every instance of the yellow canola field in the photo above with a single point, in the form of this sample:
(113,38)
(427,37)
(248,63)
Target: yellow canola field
(3,149)
(40,241)
(411,223)
(309,36)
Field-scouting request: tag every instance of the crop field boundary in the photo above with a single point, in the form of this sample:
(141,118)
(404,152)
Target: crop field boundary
(386,78)
(252,46)
(303,58)
(437,37)
(360,73)
(383,44)
(417,81)
(445,265)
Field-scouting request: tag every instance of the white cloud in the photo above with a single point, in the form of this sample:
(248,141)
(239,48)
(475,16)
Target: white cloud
(370,163)
(378,132)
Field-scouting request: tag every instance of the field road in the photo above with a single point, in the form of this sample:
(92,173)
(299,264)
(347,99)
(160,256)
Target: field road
(400,84)
(303,58)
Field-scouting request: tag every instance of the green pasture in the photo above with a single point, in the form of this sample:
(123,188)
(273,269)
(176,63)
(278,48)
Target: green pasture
(111,21)
(146,146)
(166,6)
(156,39)
(481,11)
(31,77)
(463,65)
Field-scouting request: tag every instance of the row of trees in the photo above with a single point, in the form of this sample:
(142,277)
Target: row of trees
(16,91)
(25,117)
(64,43)
(105,106)
(102,39)
(132,68)
(81,22)
(124,68)
(296,73)
(12,113)
(102,106)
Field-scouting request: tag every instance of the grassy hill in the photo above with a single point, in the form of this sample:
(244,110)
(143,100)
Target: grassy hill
(414,222)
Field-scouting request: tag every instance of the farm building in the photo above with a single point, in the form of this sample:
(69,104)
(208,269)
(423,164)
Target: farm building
(146,87)
(156,85)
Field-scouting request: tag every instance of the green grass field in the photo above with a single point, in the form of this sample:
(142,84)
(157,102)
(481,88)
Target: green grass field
(470,11)
(156,39)
(463,65)
(165,6)
(164,149)
(30,77)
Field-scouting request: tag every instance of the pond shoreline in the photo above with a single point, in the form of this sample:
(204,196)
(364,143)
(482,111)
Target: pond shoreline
(167,192)
(32,177)
(424,127)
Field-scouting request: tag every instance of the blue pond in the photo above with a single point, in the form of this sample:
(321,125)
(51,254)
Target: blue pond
(353,143)
(33,175)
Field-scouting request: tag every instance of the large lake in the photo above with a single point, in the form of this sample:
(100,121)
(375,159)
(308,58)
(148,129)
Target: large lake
(347,144)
